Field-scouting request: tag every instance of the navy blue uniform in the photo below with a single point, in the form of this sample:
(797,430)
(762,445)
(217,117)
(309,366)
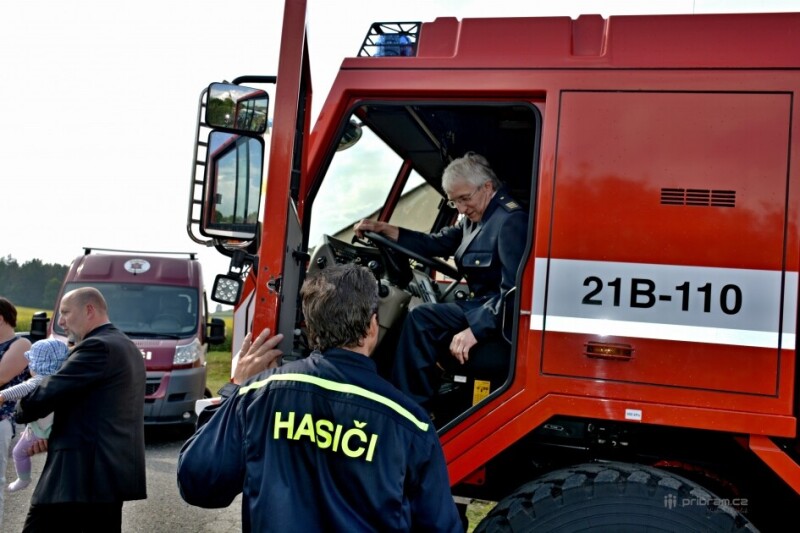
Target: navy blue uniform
(488,255)
(320,444)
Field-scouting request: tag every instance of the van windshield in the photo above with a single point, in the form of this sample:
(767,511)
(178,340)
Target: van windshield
(140,310)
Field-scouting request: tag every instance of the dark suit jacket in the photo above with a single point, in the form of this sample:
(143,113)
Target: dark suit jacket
(489,260)
(96,448)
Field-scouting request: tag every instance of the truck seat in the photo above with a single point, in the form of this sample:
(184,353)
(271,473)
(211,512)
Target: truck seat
(463,386)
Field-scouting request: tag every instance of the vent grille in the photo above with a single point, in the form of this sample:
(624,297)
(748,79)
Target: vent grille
(698,197)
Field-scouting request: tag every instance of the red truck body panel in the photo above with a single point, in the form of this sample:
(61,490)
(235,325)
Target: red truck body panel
(614,155)
(659,283)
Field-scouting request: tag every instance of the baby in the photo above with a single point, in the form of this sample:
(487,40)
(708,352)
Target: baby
(44,358)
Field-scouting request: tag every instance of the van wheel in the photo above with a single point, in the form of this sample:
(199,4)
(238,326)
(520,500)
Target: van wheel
(613,497)
(207,393)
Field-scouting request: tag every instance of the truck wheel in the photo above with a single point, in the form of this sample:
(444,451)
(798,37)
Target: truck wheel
(613,497)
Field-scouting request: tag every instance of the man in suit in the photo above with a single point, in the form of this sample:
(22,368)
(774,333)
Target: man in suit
(95,457)
(487,245)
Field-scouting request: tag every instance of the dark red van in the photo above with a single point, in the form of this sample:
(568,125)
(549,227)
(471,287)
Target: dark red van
(158,300)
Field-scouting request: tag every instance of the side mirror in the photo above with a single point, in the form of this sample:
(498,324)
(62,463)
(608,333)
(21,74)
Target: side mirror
(350,135)
(232,186)
(215,333)
(237,108)
(39,323)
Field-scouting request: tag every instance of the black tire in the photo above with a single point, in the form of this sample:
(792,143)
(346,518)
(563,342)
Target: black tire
(613,497)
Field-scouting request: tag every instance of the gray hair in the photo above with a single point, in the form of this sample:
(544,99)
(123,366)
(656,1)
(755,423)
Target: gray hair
(472,168)
(338,304)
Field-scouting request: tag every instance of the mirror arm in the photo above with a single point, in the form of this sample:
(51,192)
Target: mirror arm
(239,258)
(255,79)
(239,261)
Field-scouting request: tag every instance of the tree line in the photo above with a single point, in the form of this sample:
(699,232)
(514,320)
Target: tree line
(31,284)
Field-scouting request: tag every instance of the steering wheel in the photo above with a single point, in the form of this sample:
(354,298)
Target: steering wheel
(437,264)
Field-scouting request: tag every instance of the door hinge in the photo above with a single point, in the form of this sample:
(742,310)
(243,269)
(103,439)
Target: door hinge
(274,285)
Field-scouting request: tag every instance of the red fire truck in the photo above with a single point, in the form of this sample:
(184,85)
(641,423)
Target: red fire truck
(647,373)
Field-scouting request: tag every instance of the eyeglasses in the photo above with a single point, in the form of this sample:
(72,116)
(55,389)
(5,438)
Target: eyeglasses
(461,200)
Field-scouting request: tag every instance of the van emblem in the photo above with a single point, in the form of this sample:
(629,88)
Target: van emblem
(137,266)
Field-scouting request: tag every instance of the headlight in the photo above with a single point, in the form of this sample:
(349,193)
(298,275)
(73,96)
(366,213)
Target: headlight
(188,353)
(227,289)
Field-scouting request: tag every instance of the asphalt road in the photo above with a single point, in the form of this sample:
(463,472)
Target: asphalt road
(162,511)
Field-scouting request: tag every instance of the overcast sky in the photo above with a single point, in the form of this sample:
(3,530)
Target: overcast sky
(99,102)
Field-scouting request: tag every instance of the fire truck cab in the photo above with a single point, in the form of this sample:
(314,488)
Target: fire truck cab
(647,365)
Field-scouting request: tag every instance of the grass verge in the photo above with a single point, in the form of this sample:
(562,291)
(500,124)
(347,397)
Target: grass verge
(218,370)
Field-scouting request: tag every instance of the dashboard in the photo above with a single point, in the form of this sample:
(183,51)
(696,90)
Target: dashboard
(335,252)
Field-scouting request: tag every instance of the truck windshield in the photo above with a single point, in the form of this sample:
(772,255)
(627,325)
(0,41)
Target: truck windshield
(356,186)
(158,311)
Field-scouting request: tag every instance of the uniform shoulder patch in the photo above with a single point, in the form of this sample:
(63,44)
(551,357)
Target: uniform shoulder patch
(508,203)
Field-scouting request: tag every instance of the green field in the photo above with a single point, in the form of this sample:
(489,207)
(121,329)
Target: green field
(24,315)
(218,365)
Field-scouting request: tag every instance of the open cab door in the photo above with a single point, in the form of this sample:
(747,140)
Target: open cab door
(256,225)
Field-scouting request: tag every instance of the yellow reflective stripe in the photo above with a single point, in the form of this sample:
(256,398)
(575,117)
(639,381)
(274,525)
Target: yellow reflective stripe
(339,387)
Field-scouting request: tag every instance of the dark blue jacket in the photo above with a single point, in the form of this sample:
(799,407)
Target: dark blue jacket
(319,444)
(489,262)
